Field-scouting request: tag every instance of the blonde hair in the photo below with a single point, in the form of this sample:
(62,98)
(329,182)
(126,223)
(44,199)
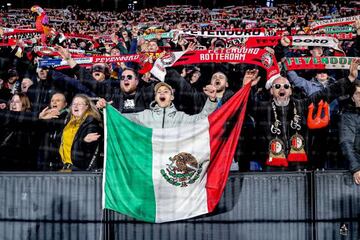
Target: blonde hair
(90,111)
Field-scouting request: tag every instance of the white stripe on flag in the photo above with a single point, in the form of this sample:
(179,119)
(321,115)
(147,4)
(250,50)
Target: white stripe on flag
(176,202)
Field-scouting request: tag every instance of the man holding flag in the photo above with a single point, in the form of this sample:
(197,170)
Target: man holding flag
(174,173)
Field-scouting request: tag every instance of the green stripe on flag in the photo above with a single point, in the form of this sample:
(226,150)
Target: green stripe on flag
(128,188)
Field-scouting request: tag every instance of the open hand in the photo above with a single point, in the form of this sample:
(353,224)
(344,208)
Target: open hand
(49,113)
(64,53)
(356,177)
(191,47)
(354,69)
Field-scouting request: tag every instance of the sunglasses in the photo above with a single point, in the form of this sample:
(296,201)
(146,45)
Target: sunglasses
(278,86)
(128,77)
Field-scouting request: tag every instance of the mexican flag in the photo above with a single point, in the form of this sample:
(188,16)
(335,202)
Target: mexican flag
(161,175)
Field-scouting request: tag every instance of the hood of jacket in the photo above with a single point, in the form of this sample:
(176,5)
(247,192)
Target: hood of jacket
(155,108)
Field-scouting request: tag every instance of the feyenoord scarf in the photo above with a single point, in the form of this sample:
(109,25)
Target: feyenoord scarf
(163,35)
(254,56)
(90,60)
(277,156)
(79,36)
(339,36)
(334,22)
(10,36)
(225,33)
(339,29)
(51,51)
(296,41)
(13,31)
(300,63)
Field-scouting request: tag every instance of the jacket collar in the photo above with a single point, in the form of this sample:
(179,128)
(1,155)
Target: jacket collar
(157,109)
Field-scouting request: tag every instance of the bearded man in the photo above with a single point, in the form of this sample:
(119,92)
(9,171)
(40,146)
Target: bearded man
(281,123)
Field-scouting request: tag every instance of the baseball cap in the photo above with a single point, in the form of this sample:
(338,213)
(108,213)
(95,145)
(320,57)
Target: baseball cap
(160,84)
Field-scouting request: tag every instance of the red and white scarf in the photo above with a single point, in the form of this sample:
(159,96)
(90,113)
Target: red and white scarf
(295,41)
(334,22)
(254,56)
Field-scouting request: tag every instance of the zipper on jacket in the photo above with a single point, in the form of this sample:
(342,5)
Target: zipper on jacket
(163,120)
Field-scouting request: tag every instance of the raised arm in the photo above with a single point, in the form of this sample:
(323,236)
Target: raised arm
(340,88)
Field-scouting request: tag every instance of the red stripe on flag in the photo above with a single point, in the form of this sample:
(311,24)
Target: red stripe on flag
(223,141)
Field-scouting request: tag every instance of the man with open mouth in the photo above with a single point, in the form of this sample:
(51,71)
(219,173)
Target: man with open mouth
(220,81)
(281,121)
(99,72)
(162,112)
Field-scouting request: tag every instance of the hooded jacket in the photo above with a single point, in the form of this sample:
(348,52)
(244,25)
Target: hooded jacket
(309,86)
(169,117)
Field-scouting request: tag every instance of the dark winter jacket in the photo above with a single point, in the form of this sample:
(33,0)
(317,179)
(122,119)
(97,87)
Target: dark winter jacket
(41,92)
(51,130)
(264,116)
(349,130)
(187,98)
(86,155)
(110,90)
(309,86)
(19,141)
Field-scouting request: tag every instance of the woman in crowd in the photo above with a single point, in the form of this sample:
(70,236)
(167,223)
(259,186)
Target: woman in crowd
(80,148)
(17,147)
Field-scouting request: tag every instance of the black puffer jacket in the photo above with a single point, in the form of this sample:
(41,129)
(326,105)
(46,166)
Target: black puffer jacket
(87,155)
(111,91)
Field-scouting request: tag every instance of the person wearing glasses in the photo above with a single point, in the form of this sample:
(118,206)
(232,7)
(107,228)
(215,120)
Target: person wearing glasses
(310,82)
(134,95)
(128,94)
(80,138)
(281,131)
(326,136)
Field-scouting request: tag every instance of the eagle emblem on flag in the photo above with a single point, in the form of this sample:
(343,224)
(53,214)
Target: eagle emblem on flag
(183,170)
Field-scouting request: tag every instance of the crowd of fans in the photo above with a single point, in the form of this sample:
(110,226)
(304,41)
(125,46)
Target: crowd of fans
(51,118)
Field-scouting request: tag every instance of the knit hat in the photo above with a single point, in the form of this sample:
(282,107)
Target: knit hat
(13,73)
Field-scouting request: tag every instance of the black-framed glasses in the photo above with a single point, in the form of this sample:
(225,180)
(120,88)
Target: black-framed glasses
(278,85)
(128,77)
